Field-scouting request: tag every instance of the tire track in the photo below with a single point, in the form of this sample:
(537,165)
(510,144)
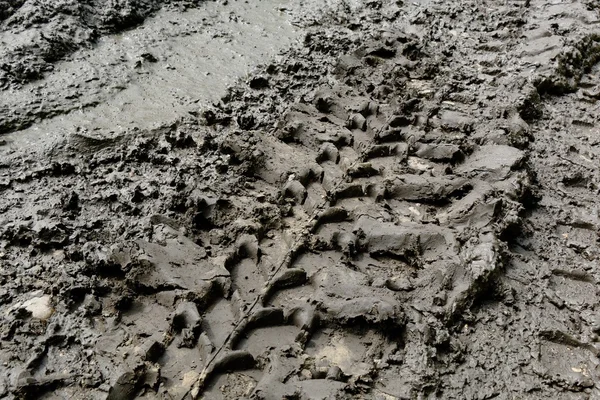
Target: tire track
(353,165)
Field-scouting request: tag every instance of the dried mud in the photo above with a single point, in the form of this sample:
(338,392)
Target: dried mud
(400,205)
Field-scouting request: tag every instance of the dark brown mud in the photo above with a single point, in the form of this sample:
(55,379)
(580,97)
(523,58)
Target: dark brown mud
(402,205)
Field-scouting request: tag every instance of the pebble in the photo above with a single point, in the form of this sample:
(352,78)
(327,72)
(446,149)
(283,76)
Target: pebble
(39,307)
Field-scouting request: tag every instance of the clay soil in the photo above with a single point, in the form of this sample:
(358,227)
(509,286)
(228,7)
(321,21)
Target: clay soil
(334,199)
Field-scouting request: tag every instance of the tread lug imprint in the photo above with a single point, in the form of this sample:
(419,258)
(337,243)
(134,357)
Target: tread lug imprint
(384,218)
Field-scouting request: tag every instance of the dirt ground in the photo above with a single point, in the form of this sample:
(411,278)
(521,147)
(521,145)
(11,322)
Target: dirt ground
(342,199)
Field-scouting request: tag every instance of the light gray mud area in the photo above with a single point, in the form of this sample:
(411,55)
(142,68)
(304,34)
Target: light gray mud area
(401,205)
(144,77)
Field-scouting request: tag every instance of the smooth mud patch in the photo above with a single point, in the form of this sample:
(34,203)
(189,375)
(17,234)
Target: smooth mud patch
(172,65)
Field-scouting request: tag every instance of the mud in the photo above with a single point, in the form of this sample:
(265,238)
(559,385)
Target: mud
(401,204)
(147,76)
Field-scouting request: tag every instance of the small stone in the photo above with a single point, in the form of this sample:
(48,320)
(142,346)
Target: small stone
(39,307)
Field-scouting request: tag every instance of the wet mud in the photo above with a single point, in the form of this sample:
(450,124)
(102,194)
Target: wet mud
(398,201)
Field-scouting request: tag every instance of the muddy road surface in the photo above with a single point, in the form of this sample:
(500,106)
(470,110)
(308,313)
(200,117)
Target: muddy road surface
(299,200)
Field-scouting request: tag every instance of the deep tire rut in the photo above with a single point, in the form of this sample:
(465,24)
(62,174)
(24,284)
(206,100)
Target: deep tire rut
(372,215)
